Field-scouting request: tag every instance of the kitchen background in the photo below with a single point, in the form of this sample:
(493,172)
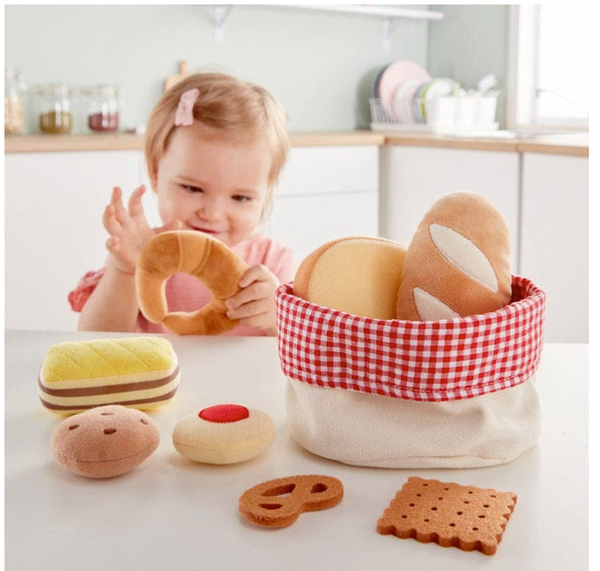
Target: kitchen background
(341,179)
(319,64)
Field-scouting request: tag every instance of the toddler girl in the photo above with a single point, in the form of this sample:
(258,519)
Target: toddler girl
(214,148)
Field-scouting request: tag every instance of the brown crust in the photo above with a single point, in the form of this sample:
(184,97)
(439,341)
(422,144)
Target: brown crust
(449,514)
(278,503)
(305,270)
(426,267)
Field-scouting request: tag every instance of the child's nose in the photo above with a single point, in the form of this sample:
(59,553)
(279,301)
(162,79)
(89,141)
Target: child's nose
(211,210)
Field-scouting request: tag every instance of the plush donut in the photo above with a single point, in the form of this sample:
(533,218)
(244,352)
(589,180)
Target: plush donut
(223,434)
(358,275)
(200,255)
(458,262)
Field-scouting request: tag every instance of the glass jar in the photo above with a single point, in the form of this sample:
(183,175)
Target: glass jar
(102,103)
(14,94)
(54,108)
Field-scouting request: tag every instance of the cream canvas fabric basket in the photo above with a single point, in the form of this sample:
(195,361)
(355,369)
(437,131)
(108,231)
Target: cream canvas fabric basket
(456,393)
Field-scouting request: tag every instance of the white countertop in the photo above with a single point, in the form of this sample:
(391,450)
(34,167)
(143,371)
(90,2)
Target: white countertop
(565,144)
(173,514)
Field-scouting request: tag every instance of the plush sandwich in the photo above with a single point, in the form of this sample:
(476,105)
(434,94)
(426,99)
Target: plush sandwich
(457,263)
(138,372)
(214,264)
(357,275)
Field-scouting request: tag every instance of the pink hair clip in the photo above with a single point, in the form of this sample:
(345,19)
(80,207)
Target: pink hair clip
(184,115)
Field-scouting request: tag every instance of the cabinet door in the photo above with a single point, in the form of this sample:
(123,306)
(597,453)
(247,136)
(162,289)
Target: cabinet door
(413,178)
(318,170)
(326,193)
(554,251)
(54,233)
(305,222)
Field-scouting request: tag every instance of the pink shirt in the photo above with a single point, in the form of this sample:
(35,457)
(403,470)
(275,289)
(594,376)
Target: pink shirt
(185,293)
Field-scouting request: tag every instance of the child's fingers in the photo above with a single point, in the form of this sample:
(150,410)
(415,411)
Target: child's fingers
(136,207)
(256,291)
(113,245)
(117,203)
(262,320)
(252,274)
(255,307)
(109,221)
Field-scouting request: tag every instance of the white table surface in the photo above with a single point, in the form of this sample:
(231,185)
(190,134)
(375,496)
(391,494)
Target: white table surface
(172,514)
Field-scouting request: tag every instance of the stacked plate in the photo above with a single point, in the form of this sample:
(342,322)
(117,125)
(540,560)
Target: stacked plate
(395,81)
(403,88)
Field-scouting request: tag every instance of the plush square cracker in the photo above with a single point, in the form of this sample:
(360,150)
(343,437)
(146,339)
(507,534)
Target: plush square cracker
(449,514)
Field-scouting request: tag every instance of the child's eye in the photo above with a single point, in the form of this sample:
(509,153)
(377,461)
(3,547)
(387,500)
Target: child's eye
(241,198)
(191,188)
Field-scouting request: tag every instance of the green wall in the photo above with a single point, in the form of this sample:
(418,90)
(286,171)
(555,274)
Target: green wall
(320,65)
(470,42)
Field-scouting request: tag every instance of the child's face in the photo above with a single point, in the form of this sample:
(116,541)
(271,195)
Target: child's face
(213,185)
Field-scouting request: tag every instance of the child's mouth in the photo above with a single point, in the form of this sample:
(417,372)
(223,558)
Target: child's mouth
(205,230)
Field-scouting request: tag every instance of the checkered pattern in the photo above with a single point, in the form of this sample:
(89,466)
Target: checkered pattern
(442,360)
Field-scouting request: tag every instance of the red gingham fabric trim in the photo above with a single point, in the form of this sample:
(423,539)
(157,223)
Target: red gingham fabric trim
(443,360)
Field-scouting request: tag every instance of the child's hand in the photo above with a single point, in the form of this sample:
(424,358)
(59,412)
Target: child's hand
(128,229)
(254,306)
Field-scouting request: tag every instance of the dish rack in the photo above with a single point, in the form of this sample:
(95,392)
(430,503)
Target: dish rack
(442,115)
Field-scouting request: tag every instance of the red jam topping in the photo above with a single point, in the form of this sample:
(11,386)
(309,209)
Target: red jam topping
(224,413)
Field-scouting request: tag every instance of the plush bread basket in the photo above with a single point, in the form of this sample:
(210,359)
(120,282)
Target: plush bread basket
(455,393)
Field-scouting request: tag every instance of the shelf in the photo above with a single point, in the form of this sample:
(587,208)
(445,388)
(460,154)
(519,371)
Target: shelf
(390,16)
(380,11)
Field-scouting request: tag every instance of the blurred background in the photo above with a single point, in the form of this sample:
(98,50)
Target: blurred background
(319,64)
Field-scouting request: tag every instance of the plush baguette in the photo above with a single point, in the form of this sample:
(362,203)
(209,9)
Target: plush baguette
(138,372)
(358,275)
(458,261)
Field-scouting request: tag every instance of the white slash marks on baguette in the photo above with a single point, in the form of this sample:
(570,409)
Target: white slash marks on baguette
(430,308)
(465,255)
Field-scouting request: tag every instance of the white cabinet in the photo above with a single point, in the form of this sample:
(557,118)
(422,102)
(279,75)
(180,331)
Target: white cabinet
(413,178)
(304,223)
(326,193)
(543,197)
(54,233)
(554,251)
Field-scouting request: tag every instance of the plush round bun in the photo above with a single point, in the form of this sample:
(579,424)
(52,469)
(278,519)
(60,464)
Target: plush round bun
(105,441)
(358,275)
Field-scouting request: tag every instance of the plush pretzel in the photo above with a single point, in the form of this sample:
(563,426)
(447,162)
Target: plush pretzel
(200,255)
(279,503)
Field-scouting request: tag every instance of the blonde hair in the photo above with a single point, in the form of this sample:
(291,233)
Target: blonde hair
(240,110)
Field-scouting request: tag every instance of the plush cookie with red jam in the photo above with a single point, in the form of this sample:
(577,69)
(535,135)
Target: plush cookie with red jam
(223,434)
